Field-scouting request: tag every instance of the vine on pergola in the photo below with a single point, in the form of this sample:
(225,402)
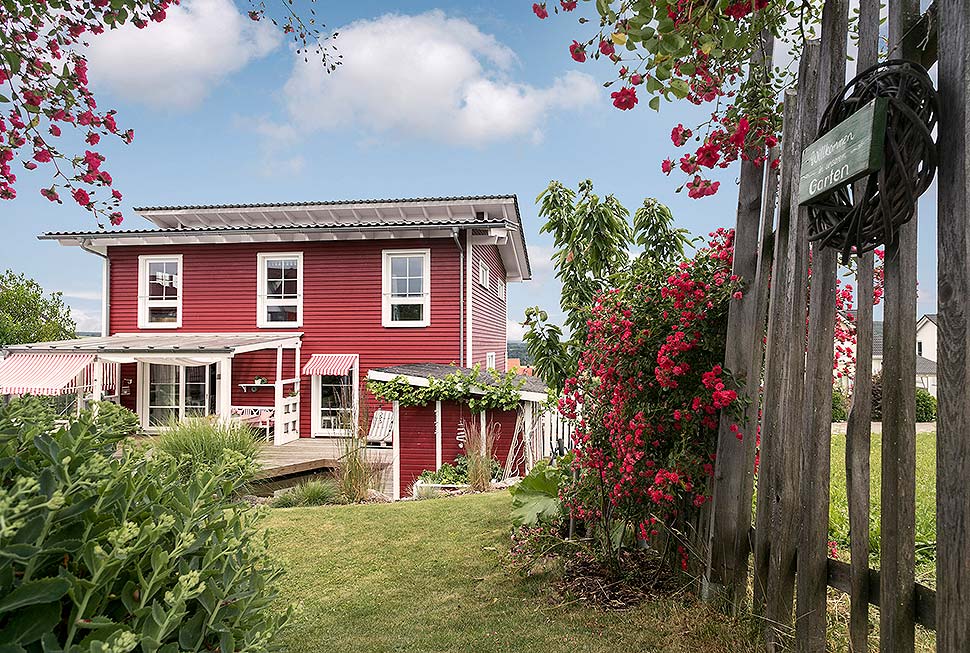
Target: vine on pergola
(699,51)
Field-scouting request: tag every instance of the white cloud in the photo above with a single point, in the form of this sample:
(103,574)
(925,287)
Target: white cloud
(515,330)
(175,63)
(86,320)
(427,76)
(89,295)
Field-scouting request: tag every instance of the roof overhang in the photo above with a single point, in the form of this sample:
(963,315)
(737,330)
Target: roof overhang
(127,347)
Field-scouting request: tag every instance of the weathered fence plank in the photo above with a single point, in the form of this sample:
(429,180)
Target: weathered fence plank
(791,335)
(898,512)
(810,620)
(774,353)
(859,428)
(728,546)
(840,577)
(953,275)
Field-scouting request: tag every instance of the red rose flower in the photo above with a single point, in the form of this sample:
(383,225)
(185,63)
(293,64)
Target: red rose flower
(567,5)
(81,196)
(606,48)
(625,98)
(577,51)
(540,10)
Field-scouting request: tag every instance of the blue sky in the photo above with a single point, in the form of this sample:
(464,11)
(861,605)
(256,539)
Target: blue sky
(223,113)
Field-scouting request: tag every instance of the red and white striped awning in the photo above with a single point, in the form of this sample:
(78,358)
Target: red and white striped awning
(329,364)
(41,374)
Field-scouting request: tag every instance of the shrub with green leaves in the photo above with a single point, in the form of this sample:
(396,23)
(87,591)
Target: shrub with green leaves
(457,473)
(840,404)
(110,553)
(117,419)
(535,499)
(309,493)
(925,406)
(203,441)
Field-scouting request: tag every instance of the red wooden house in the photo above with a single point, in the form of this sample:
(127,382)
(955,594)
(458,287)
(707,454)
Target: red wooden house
(275,313)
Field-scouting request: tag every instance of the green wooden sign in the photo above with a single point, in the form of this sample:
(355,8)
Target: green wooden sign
(851,150)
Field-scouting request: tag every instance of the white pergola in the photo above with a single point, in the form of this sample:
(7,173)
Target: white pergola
(36,368)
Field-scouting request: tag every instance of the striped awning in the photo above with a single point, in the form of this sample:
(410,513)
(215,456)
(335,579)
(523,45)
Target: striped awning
(329,364)
(41,374)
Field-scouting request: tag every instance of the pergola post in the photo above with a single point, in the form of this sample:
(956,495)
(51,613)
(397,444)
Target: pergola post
(278,400)
(225,389)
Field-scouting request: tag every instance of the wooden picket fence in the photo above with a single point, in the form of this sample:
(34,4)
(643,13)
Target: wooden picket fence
(785,541)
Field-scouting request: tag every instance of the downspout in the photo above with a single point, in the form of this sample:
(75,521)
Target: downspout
(461,298)
(105,285)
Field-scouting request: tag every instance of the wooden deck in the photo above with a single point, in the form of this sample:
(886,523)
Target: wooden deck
(297,457)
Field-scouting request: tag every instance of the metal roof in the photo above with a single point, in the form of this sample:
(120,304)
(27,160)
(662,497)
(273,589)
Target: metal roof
(440,371)
(925,366)
(321,220)
(160,343)
(405,200)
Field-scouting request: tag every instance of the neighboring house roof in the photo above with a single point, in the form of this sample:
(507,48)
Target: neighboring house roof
(924,366)
(931,317)
(877,338)
(297,220)
(440,371)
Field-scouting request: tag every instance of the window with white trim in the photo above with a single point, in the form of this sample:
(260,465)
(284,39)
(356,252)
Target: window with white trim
(500,288)
(160,292)
(280,290)
(175,392)
(483,274)
(490,360)
(406,288)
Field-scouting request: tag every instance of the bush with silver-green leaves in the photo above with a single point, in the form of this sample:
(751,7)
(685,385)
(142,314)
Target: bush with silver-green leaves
(106,549)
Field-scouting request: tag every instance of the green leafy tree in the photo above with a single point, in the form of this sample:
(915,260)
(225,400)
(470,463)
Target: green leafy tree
(27,314)
(597,248)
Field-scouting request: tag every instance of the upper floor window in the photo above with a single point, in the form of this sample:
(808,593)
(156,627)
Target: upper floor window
(483,274)
(160,292)
(500,288)
(280,290)
(490,360)
(919,347)
(406,288)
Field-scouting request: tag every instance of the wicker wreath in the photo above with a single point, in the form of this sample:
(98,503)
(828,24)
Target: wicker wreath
(857,218)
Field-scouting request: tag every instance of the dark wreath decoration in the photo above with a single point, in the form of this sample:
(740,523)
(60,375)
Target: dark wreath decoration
(857,218)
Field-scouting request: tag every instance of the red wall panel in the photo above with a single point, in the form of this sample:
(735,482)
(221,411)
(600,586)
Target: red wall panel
(489,311)
(417,429)
(341,304)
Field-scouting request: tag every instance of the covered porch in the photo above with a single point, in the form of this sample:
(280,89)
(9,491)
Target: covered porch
(164,377)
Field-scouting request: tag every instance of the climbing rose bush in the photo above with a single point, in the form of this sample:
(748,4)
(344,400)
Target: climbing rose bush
(649,393)
(44,90)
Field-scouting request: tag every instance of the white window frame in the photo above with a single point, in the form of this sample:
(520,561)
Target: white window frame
(318,431)
(387,301)
(484,274)
(500,288)
(144,300)
(142,400)
(490,360)
(263,302)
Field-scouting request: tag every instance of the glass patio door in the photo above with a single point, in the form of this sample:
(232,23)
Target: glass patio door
(179,391)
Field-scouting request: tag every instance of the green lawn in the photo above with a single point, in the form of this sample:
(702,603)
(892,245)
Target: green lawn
(925,503)
(429,576)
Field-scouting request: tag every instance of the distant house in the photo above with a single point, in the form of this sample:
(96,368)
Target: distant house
(926,330)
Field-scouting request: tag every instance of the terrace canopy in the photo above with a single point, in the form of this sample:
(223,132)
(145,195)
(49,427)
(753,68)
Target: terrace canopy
(90,366)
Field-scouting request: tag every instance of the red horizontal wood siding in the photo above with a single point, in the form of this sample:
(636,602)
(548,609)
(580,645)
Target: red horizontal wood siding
(341,303)
(489,311)
(417,433)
